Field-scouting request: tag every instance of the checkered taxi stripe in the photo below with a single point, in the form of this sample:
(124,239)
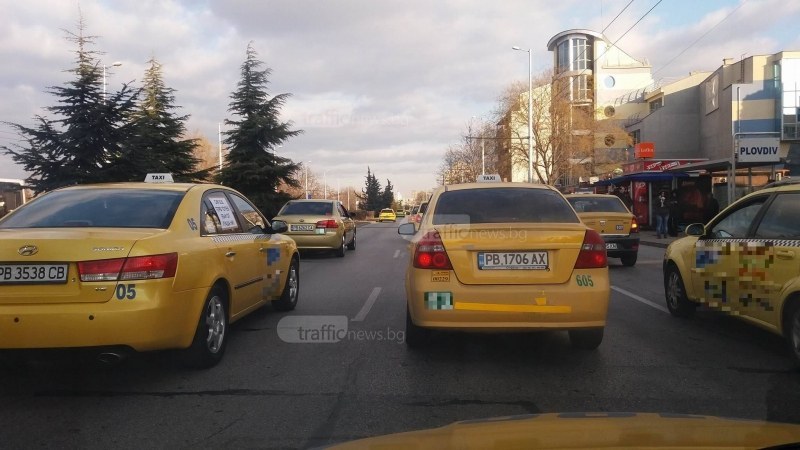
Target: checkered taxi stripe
(233,238)
(764,242)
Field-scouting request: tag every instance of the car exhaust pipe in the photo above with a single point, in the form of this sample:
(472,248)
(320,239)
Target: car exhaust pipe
(110,357)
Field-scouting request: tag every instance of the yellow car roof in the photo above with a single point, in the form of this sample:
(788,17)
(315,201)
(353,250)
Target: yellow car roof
(466,186)
(142,185)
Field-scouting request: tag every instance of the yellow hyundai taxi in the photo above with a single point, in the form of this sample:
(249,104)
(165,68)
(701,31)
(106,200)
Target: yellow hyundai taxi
(387,214)
(609,216)
(505,257)
(139,266)
(745,262)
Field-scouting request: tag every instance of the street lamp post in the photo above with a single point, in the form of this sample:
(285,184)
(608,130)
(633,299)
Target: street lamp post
(306,164)
(115,64)
(530,111)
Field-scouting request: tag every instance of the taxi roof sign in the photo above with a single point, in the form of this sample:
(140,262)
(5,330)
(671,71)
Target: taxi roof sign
(485,178)
(158,178)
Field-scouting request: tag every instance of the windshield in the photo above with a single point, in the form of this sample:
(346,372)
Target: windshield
(80,208)
(307,209)
(597,204)
(502,205)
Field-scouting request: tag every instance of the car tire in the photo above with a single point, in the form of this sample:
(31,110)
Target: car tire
(341,250)
(291,289)
(210,337)
(629,260)
(792,330)
(586,339)
(678,303)
(416,336)
(352,244)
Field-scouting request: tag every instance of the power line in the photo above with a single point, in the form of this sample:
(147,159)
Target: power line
(615,18)
(613,44)
(701,37)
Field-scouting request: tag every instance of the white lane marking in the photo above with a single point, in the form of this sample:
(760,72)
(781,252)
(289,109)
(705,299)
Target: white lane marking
(396,253)
(640,299)
(367,305)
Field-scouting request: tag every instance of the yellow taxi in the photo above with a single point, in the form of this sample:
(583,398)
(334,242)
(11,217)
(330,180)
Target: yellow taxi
(387,214)
(139,266)
(609,216)
(743,262)
(496,256)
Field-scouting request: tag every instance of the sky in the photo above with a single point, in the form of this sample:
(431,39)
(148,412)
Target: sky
(385,84)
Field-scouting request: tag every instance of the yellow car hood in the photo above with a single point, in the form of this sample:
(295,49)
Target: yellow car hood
(592,430)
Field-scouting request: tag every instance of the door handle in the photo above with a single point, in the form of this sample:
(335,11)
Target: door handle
(785,254)
(229,254)
(262,249)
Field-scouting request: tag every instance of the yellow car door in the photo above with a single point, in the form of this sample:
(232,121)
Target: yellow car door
(718,256)
(237,247)
(271,254)
(772,260)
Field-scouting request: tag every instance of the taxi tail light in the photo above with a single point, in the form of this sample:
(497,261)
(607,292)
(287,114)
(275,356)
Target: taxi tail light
(330,223)
(430,253)
(634,225)
(593,252)
(135,268)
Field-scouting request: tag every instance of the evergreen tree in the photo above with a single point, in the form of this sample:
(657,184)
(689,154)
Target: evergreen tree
(387,197)
(251,166)
(157,144)
(371,196)
(83,143)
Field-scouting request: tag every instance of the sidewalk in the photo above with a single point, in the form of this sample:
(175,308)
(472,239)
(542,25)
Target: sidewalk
(648,237)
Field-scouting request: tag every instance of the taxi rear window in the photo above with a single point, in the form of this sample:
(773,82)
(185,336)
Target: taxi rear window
(307,208)
(597,204)
(502,205)
(94,208)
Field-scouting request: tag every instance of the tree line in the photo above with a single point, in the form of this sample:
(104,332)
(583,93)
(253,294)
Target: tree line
(94,136)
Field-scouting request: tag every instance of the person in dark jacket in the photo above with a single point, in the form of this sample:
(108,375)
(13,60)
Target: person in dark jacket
(661,209)
(674,214)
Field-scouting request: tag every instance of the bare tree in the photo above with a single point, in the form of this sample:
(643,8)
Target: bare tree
(315,186)
(562,132)
(205,151)
(463,162)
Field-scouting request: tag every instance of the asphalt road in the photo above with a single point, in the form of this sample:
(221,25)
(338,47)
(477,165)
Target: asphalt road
(268,393)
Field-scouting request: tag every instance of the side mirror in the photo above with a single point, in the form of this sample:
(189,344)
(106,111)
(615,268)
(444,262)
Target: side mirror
(696,229)
(352,215)
(407,229)
(279,226)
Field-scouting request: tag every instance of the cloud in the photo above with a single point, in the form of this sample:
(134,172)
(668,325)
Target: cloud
(388,84)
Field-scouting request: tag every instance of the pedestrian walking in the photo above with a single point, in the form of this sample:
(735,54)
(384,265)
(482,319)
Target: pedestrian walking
(662,214)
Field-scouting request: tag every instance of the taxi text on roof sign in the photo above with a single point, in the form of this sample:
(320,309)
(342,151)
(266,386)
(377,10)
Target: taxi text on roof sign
(158,178)
(493,178)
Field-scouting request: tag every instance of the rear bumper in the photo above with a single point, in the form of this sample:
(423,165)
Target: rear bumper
(455,306)
(327,241)
(624,246)
(155,319)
